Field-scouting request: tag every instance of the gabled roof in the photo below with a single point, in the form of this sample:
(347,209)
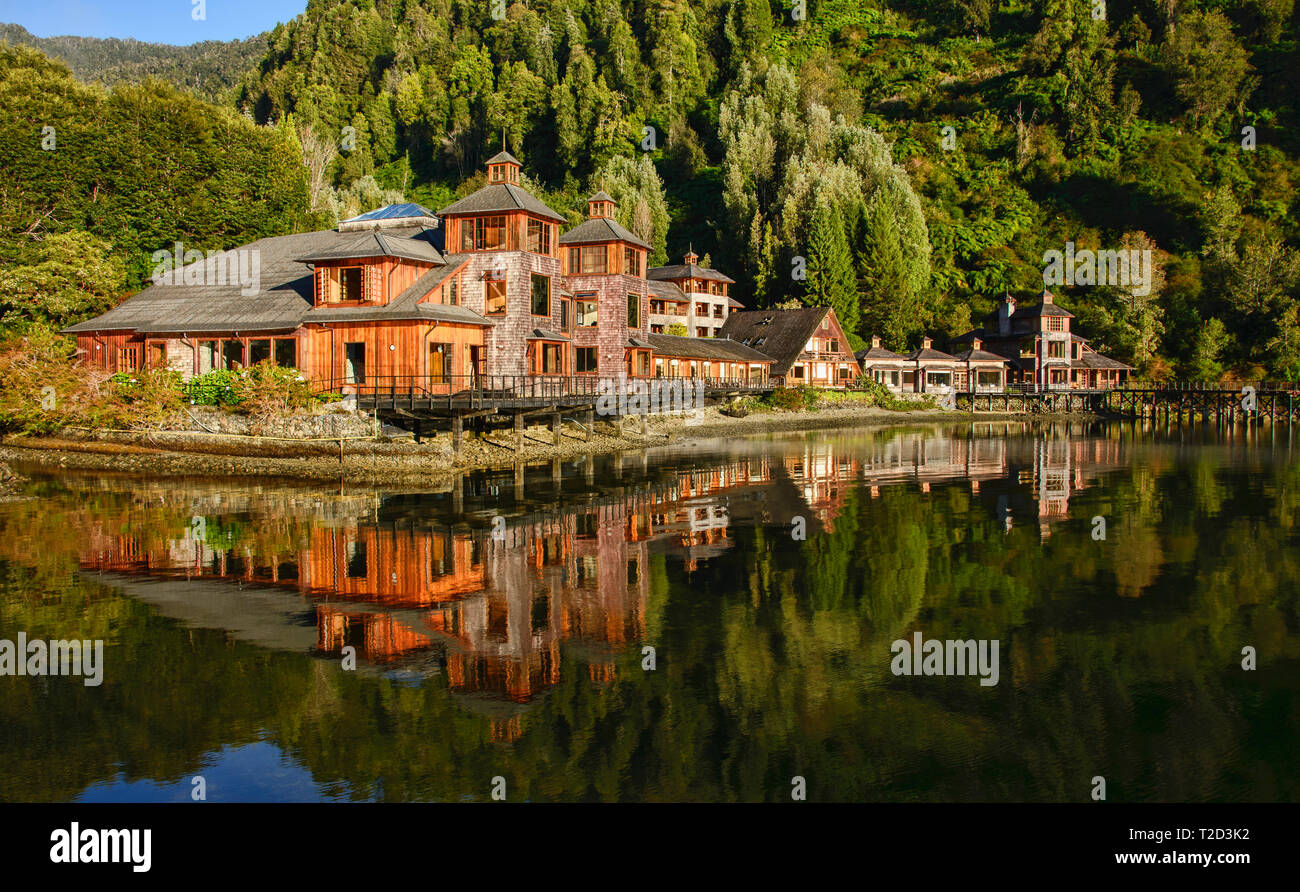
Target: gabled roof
(667,290)
(600,229)
(879,353)
(377,244)
(970,354)
(925,354)
(502,198)
(716,349)
(686,271)
(783,333)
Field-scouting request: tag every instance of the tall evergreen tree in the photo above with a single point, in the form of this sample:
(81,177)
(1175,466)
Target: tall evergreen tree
(831,282)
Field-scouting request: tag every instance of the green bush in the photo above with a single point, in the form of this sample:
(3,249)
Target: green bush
(215,388)
(791,399)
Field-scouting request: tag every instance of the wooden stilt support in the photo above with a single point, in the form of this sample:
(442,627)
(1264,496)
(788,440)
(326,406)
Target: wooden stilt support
(457,431)
(557,428)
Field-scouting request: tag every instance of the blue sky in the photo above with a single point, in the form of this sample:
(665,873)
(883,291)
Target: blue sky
(155,21)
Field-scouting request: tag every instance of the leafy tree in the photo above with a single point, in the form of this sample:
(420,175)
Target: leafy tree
(74,277)
(1208,66)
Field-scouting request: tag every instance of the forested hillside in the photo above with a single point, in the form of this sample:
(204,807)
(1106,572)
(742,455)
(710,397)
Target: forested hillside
(95,181)
(208,69)
(916,157)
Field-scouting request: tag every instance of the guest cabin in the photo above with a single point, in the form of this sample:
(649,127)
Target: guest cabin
(1042,351)
(807,345)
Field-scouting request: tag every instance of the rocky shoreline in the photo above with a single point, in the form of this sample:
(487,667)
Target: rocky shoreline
(400,459)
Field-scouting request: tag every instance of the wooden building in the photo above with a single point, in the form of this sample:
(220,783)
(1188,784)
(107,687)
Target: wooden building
(807,345)
(698,298)
(1042,351)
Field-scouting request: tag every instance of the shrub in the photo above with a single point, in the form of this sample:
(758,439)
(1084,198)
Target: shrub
(267,391)
(140,399)
(791,399)
(215,388)
(43,387)
(884,398)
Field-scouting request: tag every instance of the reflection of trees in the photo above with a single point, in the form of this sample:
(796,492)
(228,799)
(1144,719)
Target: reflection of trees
(1120,658)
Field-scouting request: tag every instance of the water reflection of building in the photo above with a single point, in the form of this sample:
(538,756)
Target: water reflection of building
(503,616)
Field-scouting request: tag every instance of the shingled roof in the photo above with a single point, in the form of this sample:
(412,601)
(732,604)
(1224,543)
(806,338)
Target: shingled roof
(970,354)
(501,198)
(283,300)
(1046,306)
(781,334)
(377,244)
(715,349)
(667,290)
(600,229)
(1090,359)
(686,271)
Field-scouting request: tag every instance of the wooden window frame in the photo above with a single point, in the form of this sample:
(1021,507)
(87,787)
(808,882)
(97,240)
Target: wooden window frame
(488,283)
(532,295)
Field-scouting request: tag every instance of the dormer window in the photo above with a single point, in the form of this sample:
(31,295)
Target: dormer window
(345,284)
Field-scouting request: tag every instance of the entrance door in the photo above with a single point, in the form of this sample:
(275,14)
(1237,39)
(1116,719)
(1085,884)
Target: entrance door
(354,362)
(439,366)
(475,365)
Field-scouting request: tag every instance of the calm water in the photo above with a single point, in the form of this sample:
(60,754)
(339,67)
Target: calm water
(500,630)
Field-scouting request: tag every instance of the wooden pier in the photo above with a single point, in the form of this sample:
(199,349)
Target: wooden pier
(1172,403)
(424,405)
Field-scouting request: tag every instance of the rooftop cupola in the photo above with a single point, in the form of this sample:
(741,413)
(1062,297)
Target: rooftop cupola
(875,342)
(600,205)
(691,256)
(1048,297)
(503,168)
(926,343)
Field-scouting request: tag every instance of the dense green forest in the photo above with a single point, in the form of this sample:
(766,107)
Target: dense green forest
(209,68)
(917,158)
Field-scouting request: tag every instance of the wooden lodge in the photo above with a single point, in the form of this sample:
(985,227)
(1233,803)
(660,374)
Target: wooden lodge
(807,345)
(489,287)
(1041,350)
